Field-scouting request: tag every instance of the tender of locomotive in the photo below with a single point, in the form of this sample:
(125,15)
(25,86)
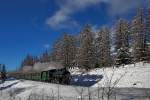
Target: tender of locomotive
(61,76)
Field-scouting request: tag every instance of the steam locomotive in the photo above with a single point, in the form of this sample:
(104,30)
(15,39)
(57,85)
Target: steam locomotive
(61,76)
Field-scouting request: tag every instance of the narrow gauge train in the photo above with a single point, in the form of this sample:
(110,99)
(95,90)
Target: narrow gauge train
(61,76)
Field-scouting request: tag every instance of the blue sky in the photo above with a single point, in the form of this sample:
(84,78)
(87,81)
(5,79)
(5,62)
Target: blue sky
(32,26)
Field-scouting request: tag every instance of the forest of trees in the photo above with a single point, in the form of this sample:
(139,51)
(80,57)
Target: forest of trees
(93,49)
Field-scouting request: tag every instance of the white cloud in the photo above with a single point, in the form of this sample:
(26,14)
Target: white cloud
(62,18)
(67,7)
(123,6)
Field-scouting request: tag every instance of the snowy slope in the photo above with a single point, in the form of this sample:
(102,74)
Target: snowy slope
(132,76)
(137,75)
(24,88)
(128,76)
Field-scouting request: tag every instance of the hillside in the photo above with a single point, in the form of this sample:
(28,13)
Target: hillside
(127,76)
(132,84)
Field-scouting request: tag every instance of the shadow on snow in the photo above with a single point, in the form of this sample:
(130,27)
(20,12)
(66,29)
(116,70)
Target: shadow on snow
(85,80)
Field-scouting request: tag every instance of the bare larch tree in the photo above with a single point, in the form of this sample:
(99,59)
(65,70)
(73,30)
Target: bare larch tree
(147,35)
(103,47)
(28,61)
(45,57)
(86,55)
(139,37)
(57,52)
(122,42)
(68,50)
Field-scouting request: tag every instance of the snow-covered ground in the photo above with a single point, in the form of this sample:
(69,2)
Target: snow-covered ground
(128,76)
(137,75)
(24,89)
(131,82)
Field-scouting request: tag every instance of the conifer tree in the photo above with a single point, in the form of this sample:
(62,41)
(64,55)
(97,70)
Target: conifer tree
(86,55)
(122,34)
(45,57)
(64,51)
(57,51)
(68,50)
(139,37)
(122,43)
(36,59)
(28,61)
(77,55)
(103,43)
(147,28)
